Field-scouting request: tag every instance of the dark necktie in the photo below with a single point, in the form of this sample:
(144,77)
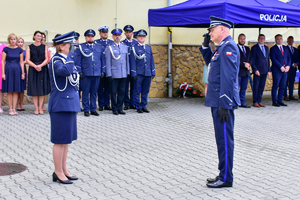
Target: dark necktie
(263,50)
(244,51)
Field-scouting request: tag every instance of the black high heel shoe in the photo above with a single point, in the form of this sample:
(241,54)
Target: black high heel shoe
(73,178)
(56,179)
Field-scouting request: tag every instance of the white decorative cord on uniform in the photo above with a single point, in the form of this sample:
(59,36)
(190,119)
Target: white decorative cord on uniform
(84,53)
(111,51)
(71,80)
(137,56)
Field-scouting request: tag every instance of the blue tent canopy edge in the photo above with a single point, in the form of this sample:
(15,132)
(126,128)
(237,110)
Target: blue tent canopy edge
(243,13)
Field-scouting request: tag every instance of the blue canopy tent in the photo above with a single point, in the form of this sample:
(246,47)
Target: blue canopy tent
(243,13)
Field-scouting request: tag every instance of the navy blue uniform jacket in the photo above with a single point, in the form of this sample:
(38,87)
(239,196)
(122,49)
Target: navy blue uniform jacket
(223,86)
(92,62)
(144,66)
(67,100)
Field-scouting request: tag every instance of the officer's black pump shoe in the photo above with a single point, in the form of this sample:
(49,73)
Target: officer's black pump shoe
(56,179)
(72,178)
(219,184)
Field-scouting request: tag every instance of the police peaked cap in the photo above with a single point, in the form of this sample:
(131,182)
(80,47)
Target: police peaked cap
(141,32)
(216,21)
(90,32)
(76,35)
(65,38)
(128,28)
(117,31)
(103,29)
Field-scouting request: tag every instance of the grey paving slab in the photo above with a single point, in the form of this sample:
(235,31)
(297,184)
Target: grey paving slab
(166,154)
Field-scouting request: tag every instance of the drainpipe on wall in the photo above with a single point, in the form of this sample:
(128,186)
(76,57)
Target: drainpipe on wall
(47,36)
(169,77)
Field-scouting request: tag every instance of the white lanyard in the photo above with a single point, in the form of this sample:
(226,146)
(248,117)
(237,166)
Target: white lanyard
(71,80)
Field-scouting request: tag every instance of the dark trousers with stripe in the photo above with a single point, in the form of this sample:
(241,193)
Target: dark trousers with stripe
(225,144)
(89,92)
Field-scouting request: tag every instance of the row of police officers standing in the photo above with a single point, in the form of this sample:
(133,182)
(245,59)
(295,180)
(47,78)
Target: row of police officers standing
(110,67)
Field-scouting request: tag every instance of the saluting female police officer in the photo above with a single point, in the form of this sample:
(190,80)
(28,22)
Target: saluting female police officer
(63,105)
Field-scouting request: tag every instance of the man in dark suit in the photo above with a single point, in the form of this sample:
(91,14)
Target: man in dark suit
(244,72)
(292,72)
(261,69)
(222,95)
(281,62)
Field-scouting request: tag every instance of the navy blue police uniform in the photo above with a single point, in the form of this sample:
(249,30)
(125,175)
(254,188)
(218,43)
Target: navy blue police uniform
(223,93)
(117,70)
(129,102)
(63,101)
(104,85)
(143,68)
(90,59)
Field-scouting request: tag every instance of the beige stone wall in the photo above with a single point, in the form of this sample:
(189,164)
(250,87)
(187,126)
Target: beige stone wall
(159,86)
(187,66)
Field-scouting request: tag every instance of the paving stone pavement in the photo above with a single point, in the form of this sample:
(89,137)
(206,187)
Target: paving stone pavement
(166,154)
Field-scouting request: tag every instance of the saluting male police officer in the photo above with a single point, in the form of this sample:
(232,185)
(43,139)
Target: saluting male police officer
(104,85)
(129,102)
(117,70)
(90,59)
(222,95)
(142,70)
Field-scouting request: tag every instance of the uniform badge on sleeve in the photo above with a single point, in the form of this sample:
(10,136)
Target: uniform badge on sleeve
(228,53)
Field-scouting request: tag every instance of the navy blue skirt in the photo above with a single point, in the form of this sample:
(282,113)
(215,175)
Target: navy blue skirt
(63,127)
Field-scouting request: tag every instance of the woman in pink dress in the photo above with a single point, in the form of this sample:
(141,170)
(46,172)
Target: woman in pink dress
(1,94)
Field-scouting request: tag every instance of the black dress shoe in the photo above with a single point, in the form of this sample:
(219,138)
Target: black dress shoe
(244,106)
(126,107)
(87,114)
(107,108)
(212,180)
(275,104)
(115,112)
(282,104)
(72,178)
(139,111)
(95,113)
(145,110)
(219,184)
(100,108)
(132,107)
(82,109)
(121,112)
(56,179)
